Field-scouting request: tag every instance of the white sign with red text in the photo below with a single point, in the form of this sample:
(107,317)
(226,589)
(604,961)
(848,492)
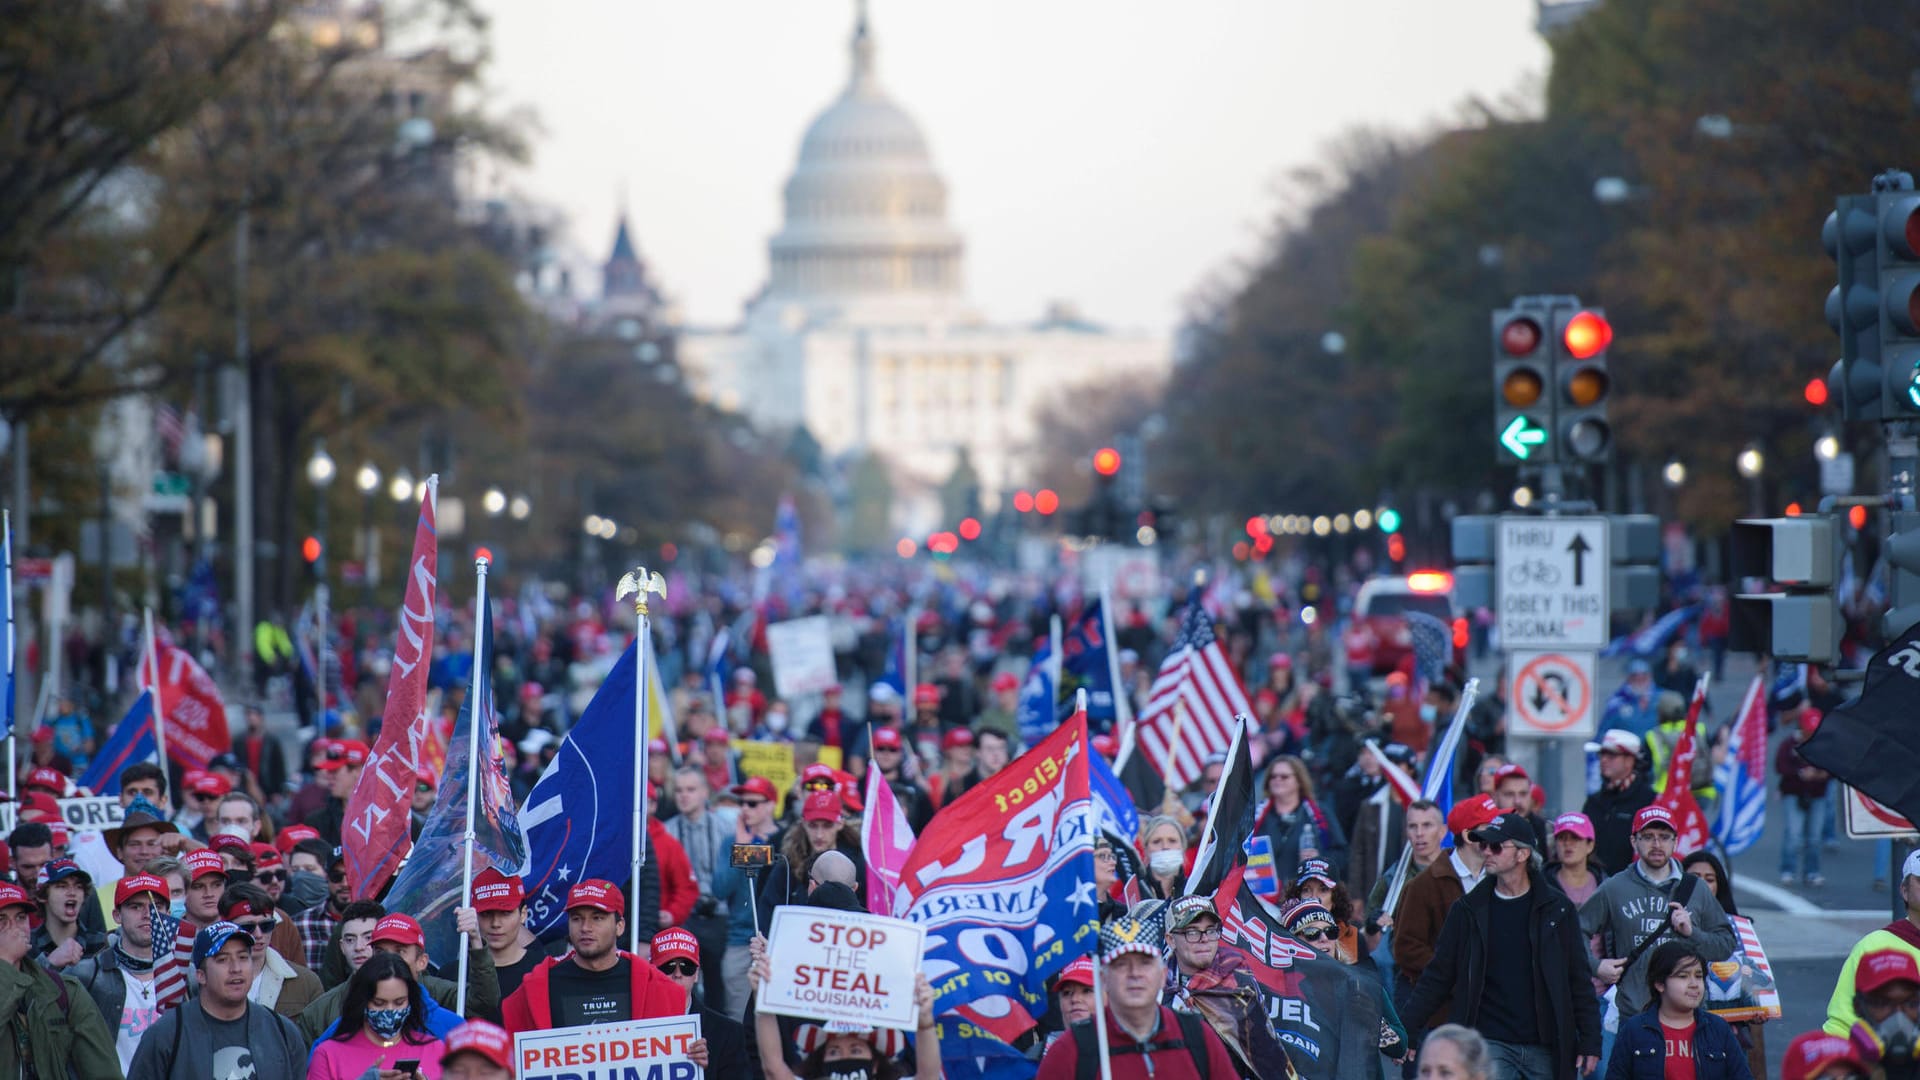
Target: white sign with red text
(655,1048)
(842,965)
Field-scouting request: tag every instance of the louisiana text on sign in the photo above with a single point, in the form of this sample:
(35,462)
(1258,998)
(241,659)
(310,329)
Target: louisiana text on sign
(1552,576)
(631,1050)
(839,965)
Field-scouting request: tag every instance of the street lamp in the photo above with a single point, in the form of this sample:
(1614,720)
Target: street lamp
(1751,462)
(1826,448)
(520,508)
(494,502)
(320,470)
(1674,474)
(368,481)
(400,488)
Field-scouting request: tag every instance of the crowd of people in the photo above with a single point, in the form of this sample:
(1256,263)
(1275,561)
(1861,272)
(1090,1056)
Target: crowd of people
(213,930)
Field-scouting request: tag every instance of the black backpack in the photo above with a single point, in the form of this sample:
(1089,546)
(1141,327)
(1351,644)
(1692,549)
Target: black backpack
(1192,1039)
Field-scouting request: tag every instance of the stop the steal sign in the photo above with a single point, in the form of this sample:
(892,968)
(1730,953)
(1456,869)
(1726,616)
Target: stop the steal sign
(842,965)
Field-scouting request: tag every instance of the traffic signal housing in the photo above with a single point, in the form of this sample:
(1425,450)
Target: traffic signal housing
(1801,622)
(1582,337)
(1522,368)
(1899,274)
(1903,573)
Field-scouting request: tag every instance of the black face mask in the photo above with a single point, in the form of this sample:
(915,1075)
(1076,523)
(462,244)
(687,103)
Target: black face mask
(849,1070)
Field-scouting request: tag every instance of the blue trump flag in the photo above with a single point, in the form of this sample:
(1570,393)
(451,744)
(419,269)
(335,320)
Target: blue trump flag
(133,740)
(1038,709)
(429,885)
(1085,664)
(579,815)
(1117,816)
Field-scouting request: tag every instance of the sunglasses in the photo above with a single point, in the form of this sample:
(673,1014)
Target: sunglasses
(259,928)
(1494,848)
(886,749)
(338,877)
(271,875)
(753,803)
(201,796)
(683,968)
(423,789)
(1311,936)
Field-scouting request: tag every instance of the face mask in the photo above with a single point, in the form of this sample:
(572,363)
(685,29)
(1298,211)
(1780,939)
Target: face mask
(386,1022)
(1898,1033)
(776,721)
(851,1070)
(178,907)
(1429,712)
(1166,862)
(1680,656)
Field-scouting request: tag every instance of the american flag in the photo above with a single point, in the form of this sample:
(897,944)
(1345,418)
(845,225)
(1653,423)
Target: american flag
(1742,778)
(173,955)
(1194,700)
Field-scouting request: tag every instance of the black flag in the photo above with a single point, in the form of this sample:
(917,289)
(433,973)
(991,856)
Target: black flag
(1873,741)
(1229,818)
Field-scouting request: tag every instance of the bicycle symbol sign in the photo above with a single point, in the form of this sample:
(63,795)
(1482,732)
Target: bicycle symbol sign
(1552,576)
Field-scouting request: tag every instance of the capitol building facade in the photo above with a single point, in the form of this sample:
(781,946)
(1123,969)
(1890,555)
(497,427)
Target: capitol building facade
(863,333)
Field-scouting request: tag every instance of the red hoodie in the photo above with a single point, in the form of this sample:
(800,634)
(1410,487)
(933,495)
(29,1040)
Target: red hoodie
(679,889)
(530,1008)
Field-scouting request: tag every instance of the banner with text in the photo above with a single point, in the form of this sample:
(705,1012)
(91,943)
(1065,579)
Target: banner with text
(655,1049)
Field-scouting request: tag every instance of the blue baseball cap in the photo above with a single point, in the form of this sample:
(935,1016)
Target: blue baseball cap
(1637,666)
(213,937)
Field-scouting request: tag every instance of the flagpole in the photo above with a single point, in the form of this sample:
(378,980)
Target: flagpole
(639,583)
(474,721)
(1099,995)
(159,710)
(13,764)
(1449,747)
(1219,790)
(1122,707)
(910,655)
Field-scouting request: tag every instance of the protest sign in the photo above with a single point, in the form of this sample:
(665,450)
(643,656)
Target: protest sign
(1741,987)
(802,654)
(842,965)
(645,1049)
(772,762)
(93,813)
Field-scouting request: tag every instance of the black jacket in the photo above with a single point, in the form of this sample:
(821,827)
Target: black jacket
(1640,1050)
(727,1044)
(1569,1010)
(1611,810)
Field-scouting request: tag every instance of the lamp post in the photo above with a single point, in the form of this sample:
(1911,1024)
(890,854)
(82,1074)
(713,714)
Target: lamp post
(320,470)
(368,481)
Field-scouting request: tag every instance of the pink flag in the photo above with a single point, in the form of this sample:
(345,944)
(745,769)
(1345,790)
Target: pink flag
(887,839)
(1678,798)
(374,836)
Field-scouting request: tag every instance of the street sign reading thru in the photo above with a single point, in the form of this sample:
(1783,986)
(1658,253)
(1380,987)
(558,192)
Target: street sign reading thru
(1552,575)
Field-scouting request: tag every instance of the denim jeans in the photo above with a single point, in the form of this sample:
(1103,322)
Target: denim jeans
(1804,826)
(1512,1061)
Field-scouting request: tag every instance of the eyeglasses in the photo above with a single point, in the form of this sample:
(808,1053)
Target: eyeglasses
(201,796)
(271,875)
(684,968)
(753,803)
(1103,857)
(260,927)
(338,877)
(1311,936)
(1195,937)
(886,750)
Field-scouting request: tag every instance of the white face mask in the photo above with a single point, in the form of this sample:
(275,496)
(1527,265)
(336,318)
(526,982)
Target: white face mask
(776,721)
(1429,711)
(1166,862)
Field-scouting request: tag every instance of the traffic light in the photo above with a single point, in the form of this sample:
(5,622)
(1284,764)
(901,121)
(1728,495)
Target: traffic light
(312,552)
(1106,461)
(1903,573)
(1802,622)
(1875,240)
(1580,374)
(1522,360)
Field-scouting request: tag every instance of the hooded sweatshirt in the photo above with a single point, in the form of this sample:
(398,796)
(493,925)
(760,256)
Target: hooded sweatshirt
(1901,935)
(1628,907)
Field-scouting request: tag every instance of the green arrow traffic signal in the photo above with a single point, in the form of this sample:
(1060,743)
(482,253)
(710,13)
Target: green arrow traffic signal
(1521,436)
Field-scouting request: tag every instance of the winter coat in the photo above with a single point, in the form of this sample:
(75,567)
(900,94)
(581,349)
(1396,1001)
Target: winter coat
(483,995)
(1611,810)
(1284,831)
(65,1031)
(1788,763)
(530,1008)
(1562,976)
(1424,904)
(286,987)
(1640,1050)
(1628,907)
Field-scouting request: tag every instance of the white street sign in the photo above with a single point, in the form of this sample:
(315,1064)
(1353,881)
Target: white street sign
(1867,819)
(1551,694)
(1552,582)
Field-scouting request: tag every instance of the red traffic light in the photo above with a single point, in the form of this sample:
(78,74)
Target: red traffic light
(1520,337)
(1046,500)
(1106,461)
(906,547)
(1256,526)
(1023,502)
(1816,392)
(1793,509)
(310,549)
(1587,335)
(969,528)
(1857,517)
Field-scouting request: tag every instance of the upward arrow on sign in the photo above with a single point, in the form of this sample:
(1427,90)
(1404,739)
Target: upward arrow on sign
(1578,548)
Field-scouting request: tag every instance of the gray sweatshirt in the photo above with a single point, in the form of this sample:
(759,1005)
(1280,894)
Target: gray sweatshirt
(1627,907)
(182,1044)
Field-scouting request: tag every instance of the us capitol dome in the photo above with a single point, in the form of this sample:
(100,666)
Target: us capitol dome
(862,332)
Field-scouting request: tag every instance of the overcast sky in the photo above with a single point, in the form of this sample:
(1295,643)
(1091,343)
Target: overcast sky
(1109,152)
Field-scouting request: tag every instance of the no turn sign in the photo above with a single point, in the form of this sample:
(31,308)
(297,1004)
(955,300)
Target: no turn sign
(1551,694)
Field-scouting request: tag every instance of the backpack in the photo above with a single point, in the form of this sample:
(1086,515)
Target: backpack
(1192,1039)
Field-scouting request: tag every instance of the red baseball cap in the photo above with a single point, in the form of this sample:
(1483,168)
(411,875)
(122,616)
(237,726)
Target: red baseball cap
(1006,680)
(130,887)
(201,863)
(886,738)
(1815,1052)
(52,780)
(1509,772)
(657,746)
(926,694)
(1080,971)
(292,835)
(1655,814)
(39,802)
(599,895)
(758,786)
(1470,813)
(241,906)
(956,739)
(821,806)
(1106,746)
(716,735)
(267,857)
(210,784)
(495,891)
(399,929)
(817,773)
(12,895)
(229,842)
(850,800)
(1883,966)
(675,943)
(425,776)
(344,752)
(479,1037)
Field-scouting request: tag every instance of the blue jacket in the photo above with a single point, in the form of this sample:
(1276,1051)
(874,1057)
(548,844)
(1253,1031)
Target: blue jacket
(1640,1050)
